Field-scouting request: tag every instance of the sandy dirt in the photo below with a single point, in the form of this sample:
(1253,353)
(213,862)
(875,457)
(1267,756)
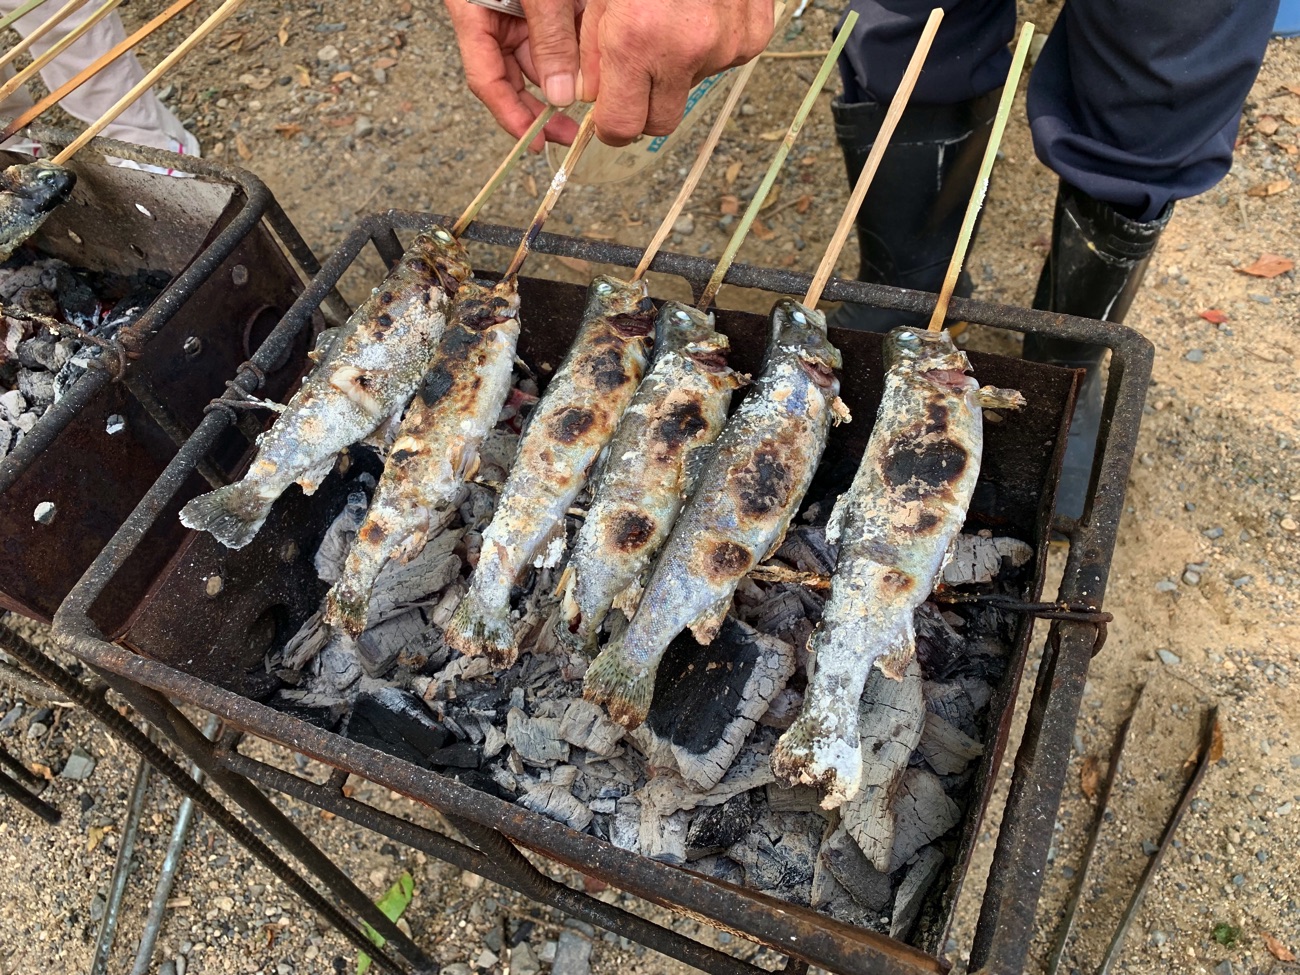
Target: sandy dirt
(360,108)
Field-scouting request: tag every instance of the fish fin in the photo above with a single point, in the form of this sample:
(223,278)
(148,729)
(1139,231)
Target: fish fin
(815,751)
(696,461)
(383,436)
(564,586)
(477,631)
(232,514)
(840,412)
(706,626)
(623,688)
(629,599)
(311,479)
(466,463)
(352,382)
(993,398)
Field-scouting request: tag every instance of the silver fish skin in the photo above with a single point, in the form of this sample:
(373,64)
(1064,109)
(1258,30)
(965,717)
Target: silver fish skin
(679,408)
(436,446)
(570,426)
(29,193)
(746,495)
(366,379)
(893,525)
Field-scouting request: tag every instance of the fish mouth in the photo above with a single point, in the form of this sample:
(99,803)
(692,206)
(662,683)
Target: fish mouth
(481,323)
(953,379)
(819,372)
(713,359)
(633,325)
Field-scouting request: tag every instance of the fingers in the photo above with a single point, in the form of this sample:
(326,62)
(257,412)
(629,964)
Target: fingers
(553,45)
(667,105)
(488,73)
(623,103)
(589,51)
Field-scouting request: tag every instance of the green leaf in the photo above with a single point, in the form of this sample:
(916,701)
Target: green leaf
(1226,934)
(393,904)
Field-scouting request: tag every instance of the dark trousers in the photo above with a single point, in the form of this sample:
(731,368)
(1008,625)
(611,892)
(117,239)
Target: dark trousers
(1135,102)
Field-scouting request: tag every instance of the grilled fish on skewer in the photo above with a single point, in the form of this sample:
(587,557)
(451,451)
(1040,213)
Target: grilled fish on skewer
(366,379)
(29,192)
(679,408)
(743,502)
(566,433)
(893,525)
(436,447)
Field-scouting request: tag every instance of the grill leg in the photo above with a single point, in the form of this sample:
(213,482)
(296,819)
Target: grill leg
(33,804)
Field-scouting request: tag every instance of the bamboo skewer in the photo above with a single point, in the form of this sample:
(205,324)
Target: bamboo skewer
(499,176)
(982,180)
(147,82)
(580,141)
(896,107)
(701,161)
(75,82)
(56,18)
(10,19)
(796,125)
(13,84)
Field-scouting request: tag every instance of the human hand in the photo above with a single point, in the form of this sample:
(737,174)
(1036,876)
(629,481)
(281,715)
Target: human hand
(500,51)
(641,58)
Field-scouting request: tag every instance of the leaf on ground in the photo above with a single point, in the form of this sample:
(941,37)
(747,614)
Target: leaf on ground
(283,33)
(530,185)
(95,837)
(289,129)
(254,82)
(732,172)
(241,147)
(1216,741)
(803,203)
(1267,125)
(44,771)
(1268,266)
(773,195)
(302,75)
(1278,950)
(1271,188)
(730,205)
(386,63)
(392,904)
(343,76)
(772,135)
(1214,316)
(1090,776)
(760,230)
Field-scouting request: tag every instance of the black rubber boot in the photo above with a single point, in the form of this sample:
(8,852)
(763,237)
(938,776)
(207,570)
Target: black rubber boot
(1094,269)
(908,226)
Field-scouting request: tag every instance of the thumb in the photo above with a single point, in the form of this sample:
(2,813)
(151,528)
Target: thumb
(553,47)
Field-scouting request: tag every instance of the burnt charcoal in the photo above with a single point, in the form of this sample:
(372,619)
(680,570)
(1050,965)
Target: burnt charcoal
(39,353)
(956,785)
(806,549)
(324,717)
(779,853)
(939,648)
(557,802)
(708,699)
(536,740)
(922,813)
(38,387)
(921,876)
(408,637)
(844,859)
(979,559)
(720,827)
(477,779)
(462,754)
(719,868)
(799,798)
(584,724)
(951,703)
(783,710)
(946,749)
(398,723)
(334,544)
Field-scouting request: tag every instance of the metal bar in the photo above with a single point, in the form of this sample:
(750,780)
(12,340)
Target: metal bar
(170,423)
(17,767)
(33,804)
(121,872)
(333,306)
(389,247)
(49,671)
(25,684)
(170,865)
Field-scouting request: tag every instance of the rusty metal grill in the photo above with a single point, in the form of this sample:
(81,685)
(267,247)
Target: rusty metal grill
(1020,471)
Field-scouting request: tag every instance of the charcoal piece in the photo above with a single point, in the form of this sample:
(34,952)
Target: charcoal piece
(311,637)
(625,827)
(396,722)
(979,559)
(452,678)
(789,613)
(922,813)
(946,749)
(799,798)
(956,785)
(951,703)
(779,853)
(480,780)
(708,699)
(38,387)
(720,827)
(325,717)
(406,635)
(921,875)
(336,665)
(806,549)
(939,647)
(494,739)
(780,714)
(719,868)
(429,571)
(843,858)
(462,754)
(536,740)
(557,802)
(978,690)
(334,544)
(584,724)
(39,353)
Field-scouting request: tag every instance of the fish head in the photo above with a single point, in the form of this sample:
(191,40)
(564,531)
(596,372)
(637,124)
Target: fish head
(929,355)
(683,328)
(481,305)
(625,304)
(801,330)
(41,186)
(446,256)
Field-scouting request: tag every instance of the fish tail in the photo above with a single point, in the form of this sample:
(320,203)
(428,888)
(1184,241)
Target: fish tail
(621,686)
(477,630)
(232,514)
(820,754)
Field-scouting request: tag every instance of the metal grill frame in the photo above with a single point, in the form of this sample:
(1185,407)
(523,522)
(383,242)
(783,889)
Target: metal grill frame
(496,828)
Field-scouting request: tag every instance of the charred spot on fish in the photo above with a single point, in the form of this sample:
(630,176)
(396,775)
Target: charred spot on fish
(372,533)
(927,521)
(459,342)
(682,424)
(764,484)
(386,298)
(633,325)
(924,466)
(728,558)
(436,384)
(575,623)
(384,321)
(607,371)
(572,424)
(401,456)
(820,373)
(897,582)
(482,317)
(631,530)
(937,412)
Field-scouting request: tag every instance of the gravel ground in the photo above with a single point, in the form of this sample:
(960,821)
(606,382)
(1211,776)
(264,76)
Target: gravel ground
(332,106)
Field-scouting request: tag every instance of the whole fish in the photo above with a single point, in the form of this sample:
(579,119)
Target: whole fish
(29,193)
(893,525)
(743,502)
(569,427)
(436,447)
(365,379)
(679,408)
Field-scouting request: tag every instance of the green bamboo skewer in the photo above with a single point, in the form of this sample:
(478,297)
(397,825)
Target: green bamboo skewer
(756,204)
(22,11)
(982,180)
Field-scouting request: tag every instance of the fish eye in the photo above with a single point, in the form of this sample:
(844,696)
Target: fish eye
(604,288)
(681,316)
(799,317)
(443,236)
(907,338)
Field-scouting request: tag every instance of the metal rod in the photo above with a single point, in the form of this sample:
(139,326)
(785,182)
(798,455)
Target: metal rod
(18,768)
(121,871)
(27,685)
(170,865)
(502,171)
(783,150)
(896,106)
(171,424)
(33,804)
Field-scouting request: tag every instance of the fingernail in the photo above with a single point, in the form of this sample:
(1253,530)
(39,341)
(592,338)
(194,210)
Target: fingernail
(559,90)
(582,91)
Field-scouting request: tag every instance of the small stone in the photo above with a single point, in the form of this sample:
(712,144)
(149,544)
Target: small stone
(1295,759)
(115,424)
(1261,856)
(471,880)
(685,225)
(79,765)
(166,92)
(1242,581)
(1223,968)
(1289,524)
(1067,872)
(1285,809)
(748,109)
(1166,585)
(548,952)
(363,127)
(1168,657)
(486,959)
(1239,880)
(1158,937)
(523,961)
(380,75)
(1191,577)
(1213,533)
(572,955)
(11,718)
(167,968)
(37,729)
(223,103)
(181,964)
(1149,848)
(44,513)
(1195,355)
(328,53)
(457,968)
(97,906)
(223,903)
